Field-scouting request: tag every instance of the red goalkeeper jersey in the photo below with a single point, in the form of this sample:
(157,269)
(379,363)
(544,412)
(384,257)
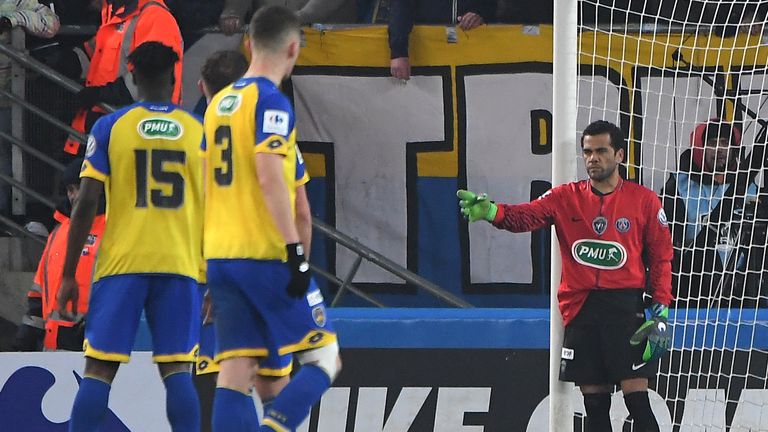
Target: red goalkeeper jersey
(606,241)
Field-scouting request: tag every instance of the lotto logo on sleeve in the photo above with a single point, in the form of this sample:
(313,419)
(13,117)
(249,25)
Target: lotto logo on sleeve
(275,122)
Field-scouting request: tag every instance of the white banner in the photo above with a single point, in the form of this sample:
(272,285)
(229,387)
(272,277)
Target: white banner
(37,391)
(367,122)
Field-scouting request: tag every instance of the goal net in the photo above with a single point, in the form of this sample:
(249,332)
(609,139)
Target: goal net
(687,83)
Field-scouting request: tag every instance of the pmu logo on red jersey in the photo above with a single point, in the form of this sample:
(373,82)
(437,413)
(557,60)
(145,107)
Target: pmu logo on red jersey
(600,254)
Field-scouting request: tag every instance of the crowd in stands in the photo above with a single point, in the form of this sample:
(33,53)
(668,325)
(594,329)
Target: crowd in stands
(718,218)
(98,61)
(37,20)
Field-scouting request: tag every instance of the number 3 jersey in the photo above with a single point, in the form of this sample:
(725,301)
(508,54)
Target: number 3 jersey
(606,241)
(247,118)
(148,156)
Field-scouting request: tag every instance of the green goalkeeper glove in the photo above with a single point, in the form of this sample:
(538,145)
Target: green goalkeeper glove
(655,333)
(476,207)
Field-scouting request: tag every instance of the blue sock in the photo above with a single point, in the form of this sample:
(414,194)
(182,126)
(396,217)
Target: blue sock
(292,405)
(233,411)
(181,403)
(90,405)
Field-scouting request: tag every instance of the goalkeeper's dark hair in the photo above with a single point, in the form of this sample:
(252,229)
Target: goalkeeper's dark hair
(152,61)
(600,127)
(271,25)
(222,68)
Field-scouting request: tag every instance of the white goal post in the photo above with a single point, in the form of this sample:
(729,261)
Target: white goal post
(677,76)
(564,113)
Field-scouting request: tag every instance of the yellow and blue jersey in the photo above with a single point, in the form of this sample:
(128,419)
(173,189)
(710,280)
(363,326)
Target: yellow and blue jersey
(302,178)
(249,117)
(147,155)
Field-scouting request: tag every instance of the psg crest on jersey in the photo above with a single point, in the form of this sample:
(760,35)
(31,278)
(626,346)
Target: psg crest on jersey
(599,224)
(622,225)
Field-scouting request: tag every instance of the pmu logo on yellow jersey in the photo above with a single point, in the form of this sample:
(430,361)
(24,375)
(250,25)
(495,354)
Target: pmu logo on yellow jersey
(160,128)
(228,104)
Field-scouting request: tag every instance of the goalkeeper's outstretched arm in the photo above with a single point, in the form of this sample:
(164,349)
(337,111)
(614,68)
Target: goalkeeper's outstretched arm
(523,217)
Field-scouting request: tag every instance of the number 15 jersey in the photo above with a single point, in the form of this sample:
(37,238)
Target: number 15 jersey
(249,117)
(148,156)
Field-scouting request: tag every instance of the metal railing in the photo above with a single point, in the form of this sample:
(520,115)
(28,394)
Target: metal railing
(364,252)
(16,228)
(345,285)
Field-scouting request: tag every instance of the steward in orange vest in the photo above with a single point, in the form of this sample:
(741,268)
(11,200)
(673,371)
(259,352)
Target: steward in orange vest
(125,24)
(42,321)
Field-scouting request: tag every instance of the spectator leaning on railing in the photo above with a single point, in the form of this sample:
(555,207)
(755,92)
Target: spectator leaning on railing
(404,13)
(40,21)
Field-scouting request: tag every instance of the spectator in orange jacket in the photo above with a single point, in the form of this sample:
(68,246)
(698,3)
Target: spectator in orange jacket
(42,326)
(125,24)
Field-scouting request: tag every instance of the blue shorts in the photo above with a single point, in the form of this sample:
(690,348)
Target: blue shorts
(255,316)
(172,306)
(274,365)
(207,349)
(205,354)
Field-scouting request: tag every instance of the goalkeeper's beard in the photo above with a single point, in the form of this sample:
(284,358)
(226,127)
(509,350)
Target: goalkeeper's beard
(601,174)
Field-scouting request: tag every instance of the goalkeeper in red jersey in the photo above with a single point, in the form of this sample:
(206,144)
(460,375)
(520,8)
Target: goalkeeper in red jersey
(610,232)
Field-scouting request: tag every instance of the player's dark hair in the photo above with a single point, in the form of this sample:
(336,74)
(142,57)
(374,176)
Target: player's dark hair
(152,61)
(271,25)
(600,127)
(718,129)
(222,68)
(71,173)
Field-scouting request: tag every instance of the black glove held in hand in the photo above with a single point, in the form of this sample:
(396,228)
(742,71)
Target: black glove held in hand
(89,96)
(299,267)
(114,93)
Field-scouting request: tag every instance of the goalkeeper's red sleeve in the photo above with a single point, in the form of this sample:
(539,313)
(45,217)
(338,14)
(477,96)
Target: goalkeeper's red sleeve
(657,242)
(526,217)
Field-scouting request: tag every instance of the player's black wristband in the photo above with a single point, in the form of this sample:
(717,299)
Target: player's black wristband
(295,253)
(299,267)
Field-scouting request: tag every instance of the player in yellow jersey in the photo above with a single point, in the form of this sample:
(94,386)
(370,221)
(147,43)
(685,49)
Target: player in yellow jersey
(220,70)
(257,272)
(146,158)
